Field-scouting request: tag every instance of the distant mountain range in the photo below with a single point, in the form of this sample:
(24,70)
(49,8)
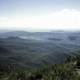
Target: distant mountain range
(45,36)
(34,49)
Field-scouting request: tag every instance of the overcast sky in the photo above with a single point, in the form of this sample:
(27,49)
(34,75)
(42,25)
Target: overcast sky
(38,15)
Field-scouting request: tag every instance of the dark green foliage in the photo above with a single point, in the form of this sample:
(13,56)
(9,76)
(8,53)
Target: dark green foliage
(65,71)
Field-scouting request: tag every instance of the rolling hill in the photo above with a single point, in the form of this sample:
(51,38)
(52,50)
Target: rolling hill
(35,49)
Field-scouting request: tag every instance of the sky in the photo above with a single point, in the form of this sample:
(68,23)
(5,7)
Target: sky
(40,15)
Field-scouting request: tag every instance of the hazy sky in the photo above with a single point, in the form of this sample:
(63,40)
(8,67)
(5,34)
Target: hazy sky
(33,15)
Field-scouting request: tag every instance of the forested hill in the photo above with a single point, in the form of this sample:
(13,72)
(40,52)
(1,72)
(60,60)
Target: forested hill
(39,55)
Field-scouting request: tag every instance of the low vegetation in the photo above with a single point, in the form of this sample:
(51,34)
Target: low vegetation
(66,71)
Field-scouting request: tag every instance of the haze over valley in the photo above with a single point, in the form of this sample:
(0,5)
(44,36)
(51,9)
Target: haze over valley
(27,49)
